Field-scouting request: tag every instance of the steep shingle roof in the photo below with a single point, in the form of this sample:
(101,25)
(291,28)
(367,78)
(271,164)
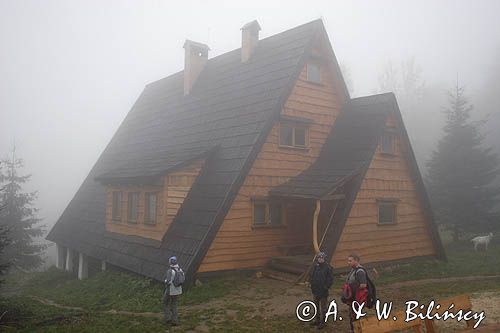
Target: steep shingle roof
(149,166)
(347,150)
(231,106)
(345,158)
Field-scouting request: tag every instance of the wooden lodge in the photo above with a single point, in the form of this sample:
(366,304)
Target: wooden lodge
(257,157)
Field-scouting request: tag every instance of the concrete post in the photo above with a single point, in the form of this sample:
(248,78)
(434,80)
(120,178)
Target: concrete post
(69,260)
(83,266)
(60,256)
(103,265)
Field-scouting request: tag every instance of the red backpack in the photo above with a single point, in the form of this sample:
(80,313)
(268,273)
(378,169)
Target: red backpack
(367,296)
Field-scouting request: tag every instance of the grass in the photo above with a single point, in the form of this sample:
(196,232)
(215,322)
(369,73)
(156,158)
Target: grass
(462,261)
(111,290)
(26,315)
(224,304)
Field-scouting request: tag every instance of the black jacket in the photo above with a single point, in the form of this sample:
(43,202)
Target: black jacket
(321,279)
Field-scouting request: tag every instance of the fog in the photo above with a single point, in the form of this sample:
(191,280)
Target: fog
(71,70)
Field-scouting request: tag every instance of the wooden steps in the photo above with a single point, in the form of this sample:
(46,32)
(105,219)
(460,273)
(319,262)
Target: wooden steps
(281,276)
(289,269)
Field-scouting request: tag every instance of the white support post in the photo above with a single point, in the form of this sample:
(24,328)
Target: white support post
(83,267)
(69,260)
(60,256)
(103,265)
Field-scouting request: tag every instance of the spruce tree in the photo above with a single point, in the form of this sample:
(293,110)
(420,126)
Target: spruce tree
(18,221)
(4,239)
(461,172)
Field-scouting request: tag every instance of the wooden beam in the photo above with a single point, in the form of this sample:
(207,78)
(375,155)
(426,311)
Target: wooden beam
(61,251)
(315,226)
(334,197)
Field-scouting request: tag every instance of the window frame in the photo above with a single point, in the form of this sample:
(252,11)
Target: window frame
(266,210)
(388,202)
(309,79)
(116,210)
(129,206)
(294,126)
(392,136)
(147,217)
(267,213)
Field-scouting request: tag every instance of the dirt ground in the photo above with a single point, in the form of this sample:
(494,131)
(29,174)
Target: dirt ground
(489,302)
(270,298)
(266,298)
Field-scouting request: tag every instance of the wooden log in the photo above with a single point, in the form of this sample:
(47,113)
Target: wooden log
(373,325)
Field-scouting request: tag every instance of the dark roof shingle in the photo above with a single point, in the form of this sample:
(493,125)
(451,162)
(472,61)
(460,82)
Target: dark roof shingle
(230,106)
(348,149)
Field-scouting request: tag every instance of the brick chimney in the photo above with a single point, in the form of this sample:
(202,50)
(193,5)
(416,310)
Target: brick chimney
(195,59)
(249,39)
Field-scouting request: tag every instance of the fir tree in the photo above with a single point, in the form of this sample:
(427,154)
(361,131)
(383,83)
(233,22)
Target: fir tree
(18,221)
(4,239)
(461,172)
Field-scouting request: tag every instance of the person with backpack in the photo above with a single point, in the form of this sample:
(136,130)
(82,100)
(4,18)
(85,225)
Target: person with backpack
(174,278)
(321,279)
(358,287)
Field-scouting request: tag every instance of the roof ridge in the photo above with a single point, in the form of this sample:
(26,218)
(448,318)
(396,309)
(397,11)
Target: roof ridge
(379,95)
(277,35)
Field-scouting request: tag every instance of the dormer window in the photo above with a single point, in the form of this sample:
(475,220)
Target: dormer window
(313,73)
(117,206)
(293,135)
(133,207)
(150,208)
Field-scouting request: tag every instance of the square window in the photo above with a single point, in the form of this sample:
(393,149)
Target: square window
(313,73)
(386,212)
(259,213)
(292,135)
(133,203)
(117,205)
(151,200)
(267,213)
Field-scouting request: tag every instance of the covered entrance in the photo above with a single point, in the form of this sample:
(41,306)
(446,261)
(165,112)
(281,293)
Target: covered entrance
(308,221)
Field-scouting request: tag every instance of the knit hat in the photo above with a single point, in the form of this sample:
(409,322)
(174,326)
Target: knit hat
(172,260)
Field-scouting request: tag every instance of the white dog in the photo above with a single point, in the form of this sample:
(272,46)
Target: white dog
(482,240)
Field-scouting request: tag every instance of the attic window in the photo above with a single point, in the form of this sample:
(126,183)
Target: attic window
(133,203)
(117,206)
(387,211)
(387,144)
(313,73)
(293,135)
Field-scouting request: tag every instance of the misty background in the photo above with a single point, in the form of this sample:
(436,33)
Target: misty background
(71,70)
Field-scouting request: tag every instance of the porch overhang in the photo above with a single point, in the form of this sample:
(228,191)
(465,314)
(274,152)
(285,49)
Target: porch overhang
(314,187)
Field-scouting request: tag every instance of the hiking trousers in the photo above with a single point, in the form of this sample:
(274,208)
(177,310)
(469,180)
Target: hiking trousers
(321,307)
(170,307)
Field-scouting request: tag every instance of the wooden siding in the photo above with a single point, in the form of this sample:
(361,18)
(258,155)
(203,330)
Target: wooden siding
(171,194)
(177,186)
(237,245)
(388,176)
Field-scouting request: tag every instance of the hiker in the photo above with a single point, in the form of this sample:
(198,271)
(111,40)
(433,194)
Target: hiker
(321,279)
(356,286)
(174,278)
